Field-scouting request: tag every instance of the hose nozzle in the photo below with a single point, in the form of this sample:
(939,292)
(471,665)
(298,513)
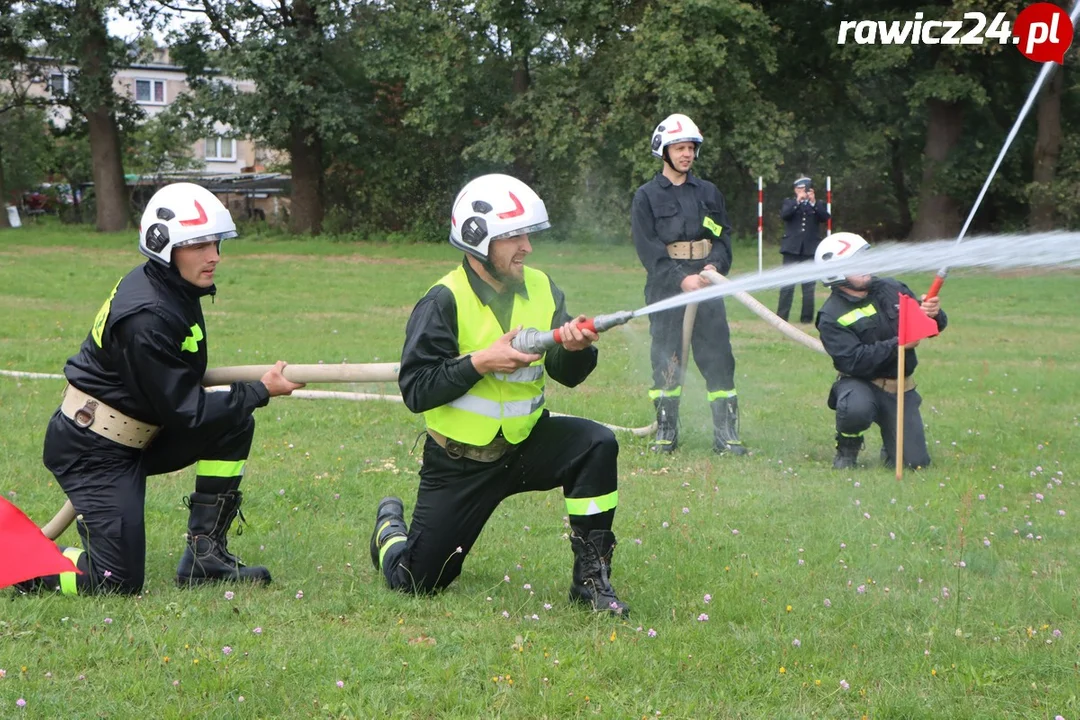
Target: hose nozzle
(531,340)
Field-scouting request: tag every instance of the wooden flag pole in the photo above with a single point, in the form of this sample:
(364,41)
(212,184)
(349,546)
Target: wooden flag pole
(901,358)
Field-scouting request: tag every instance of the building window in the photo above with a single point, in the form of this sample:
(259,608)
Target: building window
(150,91)
(221,149)
(58,84)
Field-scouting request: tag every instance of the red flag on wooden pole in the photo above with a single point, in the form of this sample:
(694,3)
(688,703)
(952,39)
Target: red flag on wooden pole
(25,552)
(914,324)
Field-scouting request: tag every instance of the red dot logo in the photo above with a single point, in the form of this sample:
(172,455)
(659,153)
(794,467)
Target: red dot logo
(1043,32)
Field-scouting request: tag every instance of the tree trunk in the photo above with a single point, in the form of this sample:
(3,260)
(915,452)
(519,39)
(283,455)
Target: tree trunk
(4,222)
(110,191)
(939,214)
(1047,149)
(903,198)
(305,147)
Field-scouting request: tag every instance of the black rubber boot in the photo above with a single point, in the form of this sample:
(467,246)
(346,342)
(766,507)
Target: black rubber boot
(667,425)
(847,452)
(592,569)
(725,415)
(389,523)
(207,558)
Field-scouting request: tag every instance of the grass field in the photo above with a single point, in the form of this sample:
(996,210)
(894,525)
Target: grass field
(768,586)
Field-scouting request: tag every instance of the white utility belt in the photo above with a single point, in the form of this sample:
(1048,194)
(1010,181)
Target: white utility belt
(108,422)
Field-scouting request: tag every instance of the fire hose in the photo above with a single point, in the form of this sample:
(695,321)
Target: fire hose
(529,340)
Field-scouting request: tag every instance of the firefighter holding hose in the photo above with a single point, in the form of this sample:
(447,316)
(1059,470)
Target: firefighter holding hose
(680,228)
(134,406)
(859,329)
(488,434)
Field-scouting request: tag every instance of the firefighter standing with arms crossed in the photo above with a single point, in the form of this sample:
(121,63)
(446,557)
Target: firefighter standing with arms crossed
(680,228)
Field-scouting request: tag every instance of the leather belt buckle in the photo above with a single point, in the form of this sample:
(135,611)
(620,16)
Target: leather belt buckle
(84,416)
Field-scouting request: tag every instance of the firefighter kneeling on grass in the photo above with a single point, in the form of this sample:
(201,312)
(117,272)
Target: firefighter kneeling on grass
(488,434)
(859,326)
(135,407)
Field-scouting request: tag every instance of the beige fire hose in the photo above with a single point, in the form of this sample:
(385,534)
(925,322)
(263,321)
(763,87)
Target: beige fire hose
(336,373)
(767,315)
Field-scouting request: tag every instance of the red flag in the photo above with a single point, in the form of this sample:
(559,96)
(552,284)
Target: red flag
(914,324)
(25,552)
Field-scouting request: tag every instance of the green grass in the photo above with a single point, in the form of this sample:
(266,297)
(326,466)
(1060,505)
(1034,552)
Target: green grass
(999,386)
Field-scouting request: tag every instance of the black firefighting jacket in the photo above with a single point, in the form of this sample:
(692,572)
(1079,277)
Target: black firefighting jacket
(860,334)
(663,213)
(146,355)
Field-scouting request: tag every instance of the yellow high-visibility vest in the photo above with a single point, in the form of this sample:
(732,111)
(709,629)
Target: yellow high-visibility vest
(510,402)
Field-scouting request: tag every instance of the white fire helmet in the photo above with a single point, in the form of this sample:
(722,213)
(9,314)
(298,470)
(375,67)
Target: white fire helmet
(493,207)
(182,214)
(838,246)
(676,128)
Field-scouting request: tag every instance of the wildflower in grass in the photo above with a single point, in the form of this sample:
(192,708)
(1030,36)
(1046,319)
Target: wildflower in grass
(637,541)
(20,702)
(257,631)
(3,672)
(665,524)
(796,643)
(108,573)
(945,593)
(827,603)
(707,598)
(651,633)
(281,491)
(176,683)
(801,561)
(229,595)
(734,531)
(341,683)
(299,594)
(547,606)
(505,614)
(527,586)
(108,621)
(226,650)
(861,589)
(506,578)
(986,542)
(458,550)
(844,685)
(686,511)
(1061,513)
(783,670)
(788,608)
(1056,633)
(982,497)
(703,618)
(240,699)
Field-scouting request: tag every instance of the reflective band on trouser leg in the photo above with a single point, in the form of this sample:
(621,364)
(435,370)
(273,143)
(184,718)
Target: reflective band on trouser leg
(673,392)
(592,505)
(717,394)
(851,435)
(220,468)
(67,579)
(387,545)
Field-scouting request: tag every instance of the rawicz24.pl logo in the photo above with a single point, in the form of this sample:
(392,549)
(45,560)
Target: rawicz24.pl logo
(1042,31)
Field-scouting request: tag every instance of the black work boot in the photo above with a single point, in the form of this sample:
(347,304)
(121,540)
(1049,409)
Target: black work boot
(667,425)
(207,558)
(725,417)
(847,451)
(389,523)
(592,568)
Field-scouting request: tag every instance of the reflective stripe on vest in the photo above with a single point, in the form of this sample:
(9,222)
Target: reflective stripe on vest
(511,402)
(857,314)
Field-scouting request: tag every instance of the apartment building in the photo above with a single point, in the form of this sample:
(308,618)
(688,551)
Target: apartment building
(156,84)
